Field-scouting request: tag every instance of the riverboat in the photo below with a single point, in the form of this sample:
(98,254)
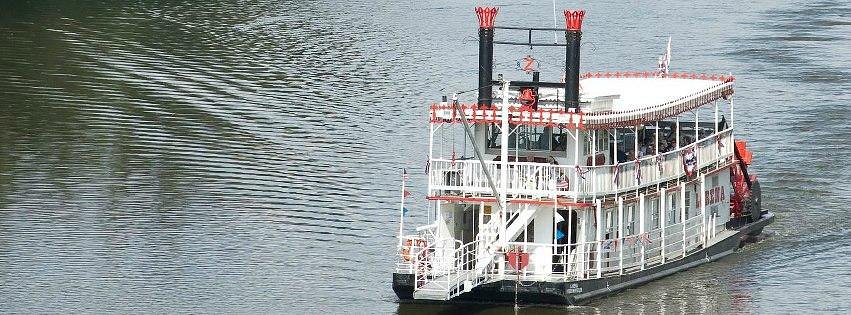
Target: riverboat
(571,190)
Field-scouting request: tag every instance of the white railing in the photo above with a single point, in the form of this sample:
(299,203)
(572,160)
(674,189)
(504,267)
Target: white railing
(526,179)
(608,256)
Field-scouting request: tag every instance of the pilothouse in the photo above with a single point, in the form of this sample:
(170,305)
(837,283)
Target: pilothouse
(569,190)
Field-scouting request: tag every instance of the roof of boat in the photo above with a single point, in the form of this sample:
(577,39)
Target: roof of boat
(609,100)
(636,93)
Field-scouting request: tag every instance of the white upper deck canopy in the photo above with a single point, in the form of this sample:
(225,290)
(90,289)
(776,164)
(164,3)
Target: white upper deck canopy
(610,100)
(637,93)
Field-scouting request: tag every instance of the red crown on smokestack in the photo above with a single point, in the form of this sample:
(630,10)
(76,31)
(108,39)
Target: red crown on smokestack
(486,16)
(573,19)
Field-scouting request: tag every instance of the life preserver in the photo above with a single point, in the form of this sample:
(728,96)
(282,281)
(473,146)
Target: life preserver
(420,244)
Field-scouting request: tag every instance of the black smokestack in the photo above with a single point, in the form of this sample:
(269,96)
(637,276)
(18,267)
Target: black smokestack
(572,36)
(486,18)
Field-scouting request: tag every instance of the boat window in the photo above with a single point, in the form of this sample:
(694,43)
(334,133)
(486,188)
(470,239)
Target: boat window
(672,210)
(602,144)
(559,140)
(611,227)
(688,204)
(630,220)
(530,138)
(654,213)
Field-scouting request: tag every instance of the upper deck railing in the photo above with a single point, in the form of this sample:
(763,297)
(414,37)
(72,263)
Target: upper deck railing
(542,180)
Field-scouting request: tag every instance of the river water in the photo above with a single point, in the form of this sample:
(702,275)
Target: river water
(244,156)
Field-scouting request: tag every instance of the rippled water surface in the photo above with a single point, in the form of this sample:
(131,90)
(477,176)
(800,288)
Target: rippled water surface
(243,156)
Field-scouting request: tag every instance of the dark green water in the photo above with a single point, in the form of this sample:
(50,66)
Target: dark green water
(242,156)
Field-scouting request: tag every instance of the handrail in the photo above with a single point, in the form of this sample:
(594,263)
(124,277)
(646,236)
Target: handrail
(598,179)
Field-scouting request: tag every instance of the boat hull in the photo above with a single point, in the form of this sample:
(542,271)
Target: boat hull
(579,292)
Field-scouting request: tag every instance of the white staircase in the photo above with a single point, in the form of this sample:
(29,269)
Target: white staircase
(481,253)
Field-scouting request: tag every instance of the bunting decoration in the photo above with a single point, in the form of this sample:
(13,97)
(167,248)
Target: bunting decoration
(719,142)
(645,238)
(610,244)
(580,172)
(689,161)
(659,163)
(638,171)
(617,174)
(563,184)
(631,240)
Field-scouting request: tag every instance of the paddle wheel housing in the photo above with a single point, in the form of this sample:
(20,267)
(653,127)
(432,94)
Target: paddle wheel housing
(741,186)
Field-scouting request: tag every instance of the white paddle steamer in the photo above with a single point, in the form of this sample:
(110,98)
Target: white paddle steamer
(579,188)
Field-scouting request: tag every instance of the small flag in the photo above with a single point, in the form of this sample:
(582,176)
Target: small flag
(406,193)
(428,164)
(404,210)
(559,218)
(559,234)
(405,174)
(563,184)
(665,60)
(659,162)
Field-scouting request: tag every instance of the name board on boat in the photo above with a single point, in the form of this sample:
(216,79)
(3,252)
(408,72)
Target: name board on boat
(715,195)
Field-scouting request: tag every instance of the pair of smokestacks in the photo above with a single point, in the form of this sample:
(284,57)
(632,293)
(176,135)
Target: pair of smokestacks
(572,35)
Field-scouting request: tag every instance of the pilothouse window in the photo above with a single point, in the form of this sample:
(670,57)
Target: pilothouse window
(528,138)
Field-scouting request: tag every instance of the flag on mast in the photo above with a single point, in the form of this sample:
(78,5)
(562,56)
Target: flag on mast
(665,60)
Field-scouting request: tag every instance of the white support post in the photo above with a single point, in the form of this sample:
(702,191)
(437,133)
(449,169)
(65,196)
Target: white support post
(732,140)
(657,153)
(716,116)
(594,160)
(600,225)
(503,182)
(636,167)
(431,131)
(731,112)
(620,235)
(402,210)
(635,143)
(662,221)
(576,159)
(703,208)
(641,226)
(567,248)
(696,134)
(683,214)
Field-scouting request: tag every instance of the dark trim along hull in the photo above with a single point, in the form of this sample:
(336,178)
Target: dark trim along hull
(579,292)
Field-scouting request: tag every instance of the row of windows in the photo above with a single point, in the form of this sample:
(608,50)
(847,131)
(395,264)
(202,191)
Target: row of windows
(673,214)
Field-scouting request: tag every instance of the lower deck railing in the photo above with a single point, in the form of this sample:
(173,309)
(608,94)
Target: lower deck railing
(444,264)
